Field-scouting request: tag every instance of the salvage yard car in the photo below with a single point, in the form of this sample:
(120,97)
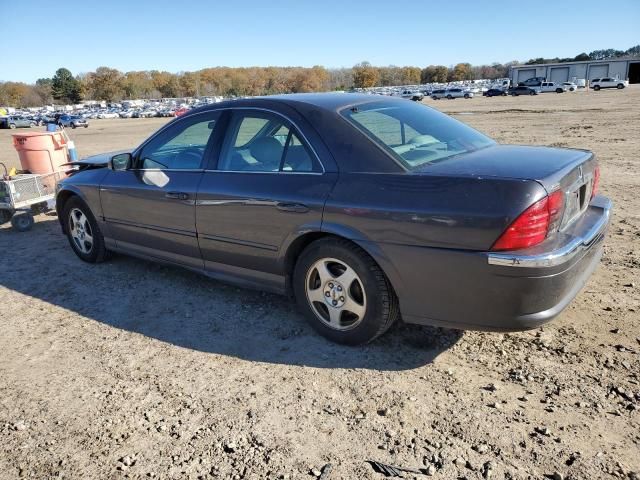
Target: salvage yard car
(15,121)
(522,90)
(607,82)
(73,121)
(367,209)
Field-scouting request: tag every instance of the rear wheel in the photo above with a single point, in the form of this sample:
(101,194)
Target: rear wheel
(449,97)
(12,126)
(343,292)
(596,87)
(559,90)
(73,125)
(83,231)
(466,95)
(620,86)
(22,221)
(532,92)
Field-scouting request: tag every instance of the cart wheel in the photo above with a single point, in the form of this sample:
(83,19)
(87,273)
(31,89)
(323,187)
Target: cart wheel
(22,222)
(5,216)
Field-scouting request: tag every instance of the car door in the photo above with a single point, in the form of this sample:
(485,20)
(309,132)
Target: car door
(267,187)
(150,207)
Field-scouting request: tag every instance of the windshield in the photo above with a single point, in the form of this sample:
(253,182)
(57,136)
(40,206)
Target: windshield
(414,134)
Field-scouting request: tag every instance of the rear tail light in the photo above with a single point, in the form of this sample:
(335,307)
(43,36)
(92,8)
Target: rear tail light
(596,182)
(534,224)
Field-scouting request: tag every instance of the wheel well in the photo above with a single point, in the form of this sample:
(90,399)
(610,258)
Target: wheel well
(302,242)
(61,201)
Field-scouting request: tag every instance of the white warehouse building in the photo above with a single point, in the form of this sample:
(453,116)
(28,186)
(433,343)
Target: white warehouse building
(619,68)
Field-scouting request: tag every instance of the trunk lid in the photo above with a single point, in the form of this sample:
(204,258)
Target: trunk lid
(570,170)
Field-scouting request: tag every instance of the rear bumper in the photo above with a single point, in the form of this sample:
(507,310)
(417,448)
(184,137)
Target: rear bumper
(499,291)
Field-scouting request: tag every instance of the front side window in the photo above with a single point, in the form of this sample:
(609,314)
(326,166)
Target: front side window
(414,134)
(181,146)
(264,142)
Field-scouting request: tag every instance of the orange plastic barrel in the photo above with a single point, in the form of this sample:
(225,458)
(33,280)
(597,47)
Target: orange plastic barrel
(41,152)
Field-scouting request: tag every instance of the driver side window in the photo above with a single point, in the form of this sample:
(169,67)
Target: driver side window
(180,147)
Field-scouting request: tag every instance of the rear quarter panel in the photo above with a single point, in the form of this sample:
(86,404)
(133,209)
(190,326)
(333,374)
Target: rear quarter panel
(427,210)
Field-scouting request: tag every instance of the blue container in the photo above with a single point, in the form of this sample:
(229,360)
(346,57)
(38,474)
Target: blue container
(52,127)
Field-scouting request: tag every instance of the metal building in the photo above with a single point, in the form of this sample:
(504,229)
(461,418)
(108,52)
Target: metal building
(620,68)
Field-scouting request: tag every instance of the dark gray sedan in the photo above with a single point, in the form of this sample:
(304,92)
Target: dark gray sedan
(366,209)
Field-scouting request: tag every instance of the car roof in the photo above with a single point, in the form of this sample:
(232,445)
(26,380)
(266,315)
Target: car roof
(332,101)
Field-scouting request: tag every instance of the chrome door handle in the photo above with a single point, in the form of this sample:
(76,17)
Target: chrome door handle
(177,195)
(292,207)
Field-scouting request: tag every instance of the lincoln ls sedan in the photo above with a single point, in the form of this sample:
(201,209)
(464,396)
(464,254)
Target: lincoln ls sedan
(365,209)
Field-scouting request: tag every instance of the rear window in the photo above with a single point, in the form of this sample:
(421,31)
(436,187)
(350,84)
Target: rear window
(415,134)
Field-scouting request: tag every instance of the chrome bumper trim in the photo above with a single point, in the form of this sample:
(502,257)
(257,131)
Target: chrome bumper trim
(564,253)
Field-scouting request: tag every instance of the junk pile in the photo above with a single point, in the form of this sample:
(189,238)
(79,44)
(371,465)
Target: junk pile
(32,189)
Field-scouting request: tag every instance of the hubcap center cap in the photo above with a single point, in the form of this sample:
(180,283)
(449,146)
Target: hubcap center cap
(334,294)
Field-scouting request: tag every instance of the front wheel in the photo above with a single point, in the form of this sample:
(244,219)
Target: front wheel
(466,95)
(344,294)
(83,232)
(73,125)
(596,88)
(620,86)
(12,126)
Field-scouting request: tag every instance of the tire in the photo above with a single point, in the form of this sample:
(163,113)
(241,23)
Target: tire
(73,125)
(466,95)
(596,87)
(5,216)
(33,124)
(12,126)
(620,86)
(85,239)
(532,92)
(369,292)
(434,97)
(559,90)
(22,221)
(449,97)
(86,126)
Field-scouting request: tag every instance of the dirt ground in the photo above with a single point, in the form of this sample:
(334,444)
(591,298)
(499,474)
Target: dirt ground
(129,369)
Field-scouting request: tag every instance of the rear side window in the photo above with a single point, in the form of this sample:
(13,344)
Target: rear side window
(265,142)
(415,135)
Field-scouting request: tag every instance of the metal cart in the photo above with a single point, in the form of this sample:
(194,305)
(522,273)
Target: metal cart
(25,195)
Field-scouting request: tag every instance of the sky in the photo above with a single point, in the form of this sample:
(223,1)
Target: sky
(185,35)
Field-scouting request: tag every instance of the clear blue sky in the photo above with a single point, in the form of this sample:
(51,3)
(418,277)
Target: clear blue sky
(181,35)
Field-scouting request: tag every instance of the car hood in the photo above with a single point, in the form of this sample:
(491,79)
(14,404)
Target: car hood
(545,165)
(98,160)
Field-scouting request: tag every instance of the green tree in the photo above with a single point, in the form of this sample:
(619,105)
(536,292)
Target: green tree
(65,87)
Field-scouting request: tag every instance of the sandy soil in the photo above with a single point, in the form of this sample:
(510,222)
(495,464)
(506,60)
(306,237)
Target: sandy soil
(129,369)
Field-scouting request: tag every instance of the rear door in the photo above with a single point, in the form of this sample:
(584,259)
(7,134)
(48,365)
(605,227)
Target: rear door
(150,208)
(267,187)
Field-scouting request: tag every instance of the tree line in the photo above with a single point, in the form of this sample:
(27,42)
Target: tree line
(111,85)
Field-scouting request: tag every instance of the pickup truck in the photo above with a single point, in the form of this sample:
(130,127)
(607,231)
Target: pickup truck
(546,87)
(608,82)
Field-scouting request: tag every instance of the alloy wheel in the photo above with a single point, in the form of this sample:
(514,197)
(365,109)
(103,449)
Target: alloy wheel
(336,294)
(80,230)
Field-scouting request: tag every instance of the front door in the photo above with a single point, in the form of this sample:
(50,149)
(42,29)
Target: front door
(150,208)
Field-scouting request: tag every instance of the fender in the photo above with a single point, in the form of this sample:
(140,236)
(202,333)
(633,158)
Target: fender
(369,246)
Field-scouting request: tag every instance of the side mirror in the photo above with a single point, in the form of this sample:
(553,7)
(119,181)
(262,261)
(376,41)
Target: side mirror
(122,161)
